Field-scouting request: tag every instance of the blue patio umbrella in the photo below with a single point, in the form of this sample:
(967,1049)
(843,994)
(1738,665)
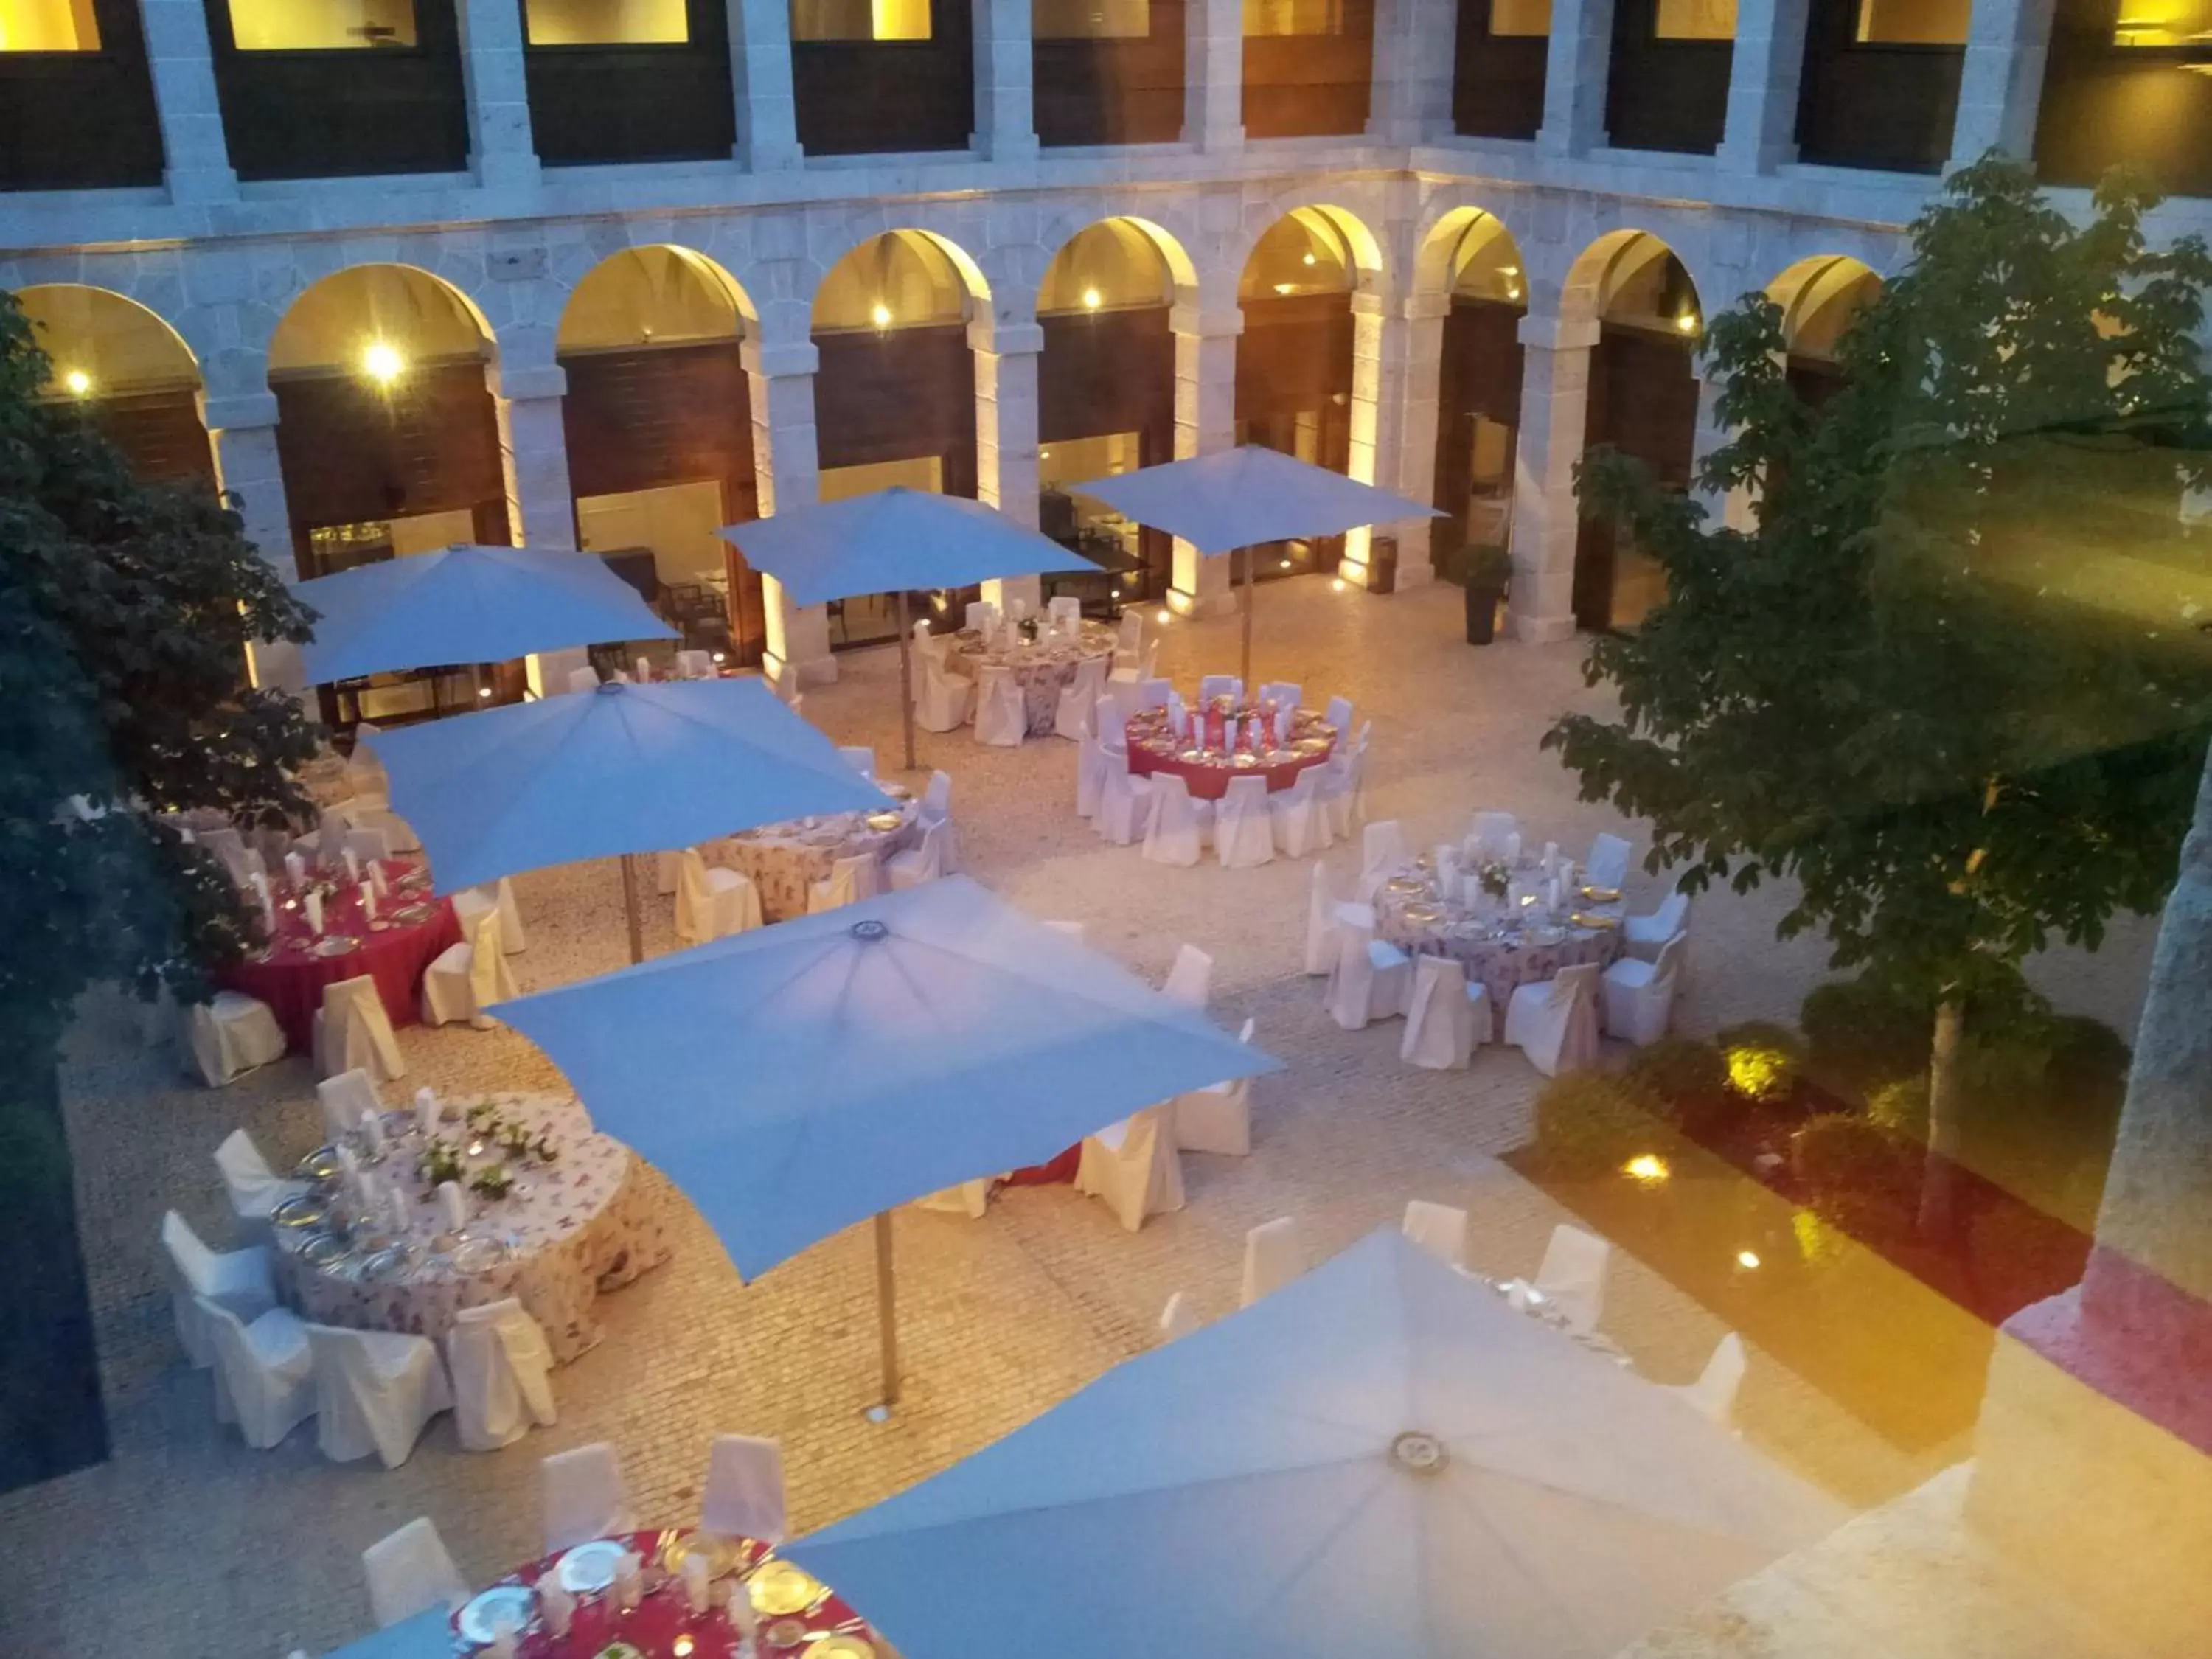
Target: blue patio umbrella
(428,1635)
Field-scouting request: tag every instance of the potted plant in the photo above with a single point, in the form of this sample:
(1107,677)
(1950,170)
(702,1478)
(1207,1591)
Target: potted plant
(1484,572)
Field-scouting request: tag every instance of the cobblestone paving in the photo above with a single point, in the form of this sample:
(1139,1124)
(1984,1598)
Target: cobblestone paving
(187,1543)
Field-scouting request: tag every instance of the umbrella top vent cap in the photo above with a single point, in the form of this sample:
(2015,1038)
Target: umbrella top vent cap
(1417,1453)
(868,932)
(605,686)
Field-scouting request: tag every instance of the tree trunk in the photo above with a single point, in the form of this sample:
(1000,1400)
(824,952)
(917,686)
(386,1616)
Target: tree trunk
(1937,1182)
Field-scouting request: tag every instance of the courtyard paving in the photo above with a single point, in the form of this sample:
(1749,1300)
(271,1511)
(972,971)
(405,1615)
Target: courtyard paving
(187,1543)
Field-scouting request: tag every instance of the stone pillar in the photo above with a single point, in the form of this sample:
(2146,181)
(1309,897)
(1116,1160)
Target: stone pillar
(1206,422)
(182,63)
(1006,123)
(1555,373)
(2001,89)
(502,153)
(787,472)
(760,83)
(1213,73)
(1421,319)
(1763,86)
(1575,71)
(1414,40)
(1378,375)
(242,431)
(1006,437)
(533,465)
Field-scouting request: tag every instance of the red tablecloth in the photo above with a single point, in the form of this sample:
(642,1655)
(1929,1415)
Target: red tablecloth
(1151,749)
(291,980)
(664,1614)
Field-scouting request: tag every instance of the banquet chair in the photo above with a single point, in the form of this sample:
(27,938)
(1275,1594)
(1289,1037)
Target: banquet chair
(1125,803)
(240,1280)
(1274,1255)
(1172,836)
(1077,709)
(1219,1117)
(467,978)
(364,773)
(585,1496)
(1129,637)
(346,1100)
(712,902)
(1138,669)
(1297,820)
(934,811)
(666,868)
(971,1199)
(1608,863)
(242,864)
(1381,855)
(351,1028)
(230,1035)
(1488,833)
(1190,979)
(1128,698)
(264,1376)
(941,698)
(1210,686)
(695,665)
(1445,1017)
(981,617)
(1321,901)
(1153,693)
(585,679)
(1105,744)
(1715,1390)
(1066,613)
(1439,1229)
(225,840)
(1179,1318)
(1555,1021)
(368,846)
(918,864)
(253,1187)
(1002,719)
(1355,794)
(1372,979)
(1134,1167)
(499,895)
(1340,716)
(1639,997)
(850,881)
(744,1496)
(502,1372)
(1571,1276)
(1244,826)
(410,1571)
(399,835)
(861,757)
(1644,936)
(376,1391)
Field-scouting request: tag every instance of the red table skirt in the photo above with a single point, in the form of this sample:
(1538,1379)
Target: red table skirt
(1212,782)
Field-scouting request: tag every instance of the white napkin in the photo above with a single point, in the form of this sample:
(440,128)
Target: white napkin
(1558,892)
(453,1205)
(353,865)
(629,1579)
(697,1589)
(1178,716)
(1255,735)
(1513,847)
(1284,716)
(295,868)
(1551,856)
(558,1605)
(644,671)
(426,1110)
(315,912)
(376,879)
(739,1606)
(396,1211)
(368,1190)
(367,901)
(259,880)
(372,1130)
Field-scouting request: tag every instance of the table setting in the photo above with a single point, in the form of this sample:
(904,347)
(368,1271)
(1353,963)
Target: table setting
(459,1202)
(1226,738)
(1042,657)
(783,860)
(676,1593)
(1524,1297)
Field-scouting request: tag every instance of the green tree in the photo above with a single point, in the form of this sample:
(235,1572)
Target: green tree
(125,610)
(1920,687)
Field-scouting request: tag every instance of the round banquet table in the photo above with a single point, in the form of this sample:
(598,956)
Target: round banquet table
(824,1626)
(1500,955)
(290,974)
(586,1222)
(1044,668)
(1209,760)
(784,859)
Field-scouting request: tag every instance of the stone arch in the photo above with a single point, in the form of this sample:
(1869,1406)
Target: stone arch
(1364,253)
(676,294)
(1456,235)
(97,342)
(1083,263)
(342,319)
(900,273)
(1819,297)
(1617,269)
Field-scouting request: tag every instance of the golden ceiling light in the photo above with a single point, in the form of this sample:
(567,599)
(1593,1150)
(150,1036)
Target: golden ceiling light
(881,316)
(77,383)
(382,362)
(1091,299)
(1311,260)
(1284,287)
(1687,322)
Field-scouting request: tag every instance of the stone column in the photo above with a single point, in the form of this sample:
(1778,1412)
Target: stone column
(1006,124)
(1575,71)
(760,83)
(1421,320)
(787,472)
(242,431)
(1205,421)
(1213,73)
(533,465)
(1555,372)
(2001,89)
(1414,40)
(500,150)
(1006,436)
(182,63)
(1378,375)
(1763,86)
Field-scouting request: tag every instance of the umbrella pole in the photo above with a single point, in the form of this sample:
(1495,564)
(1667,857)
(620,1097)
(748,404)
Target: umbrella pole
(1244,670)
(906,679)
(886,1315)
(629,907)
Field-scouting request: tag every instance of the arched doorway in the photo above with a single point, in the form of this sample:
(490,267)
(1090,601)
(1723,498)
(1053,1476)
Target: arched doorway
(133,376)
(1478,385)
(894,388)
(1106,401)
(1643,401)
(390,446)
(1294,363)
(1821,299)
(658,417)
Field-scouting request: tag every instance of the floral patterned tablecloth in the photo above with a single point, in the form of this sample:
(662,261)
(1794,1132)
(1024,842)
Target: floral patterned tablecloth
(1501,957)
(1044,667)
(586,1222)
(784,859)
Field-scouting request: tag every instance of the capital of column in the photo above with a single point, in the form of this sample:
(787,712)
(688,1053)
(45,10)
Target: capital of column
(523,381)
(1206,322)
(242,411)
(1559,333)
(1421,308)
(1004,339)
(789,359)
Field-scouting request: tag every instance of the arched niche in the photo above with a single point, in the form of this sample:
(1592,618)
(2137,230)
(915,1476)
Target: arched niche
(1821,299)
(132,373)
(1478,265)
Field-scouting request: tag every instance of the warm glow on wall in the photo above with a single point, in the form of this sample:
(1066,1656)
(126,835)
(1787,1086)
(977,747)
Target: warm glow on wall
(1090,299)
(2163,23)
(382,362)
(78,383)
(881,316)
(48,26)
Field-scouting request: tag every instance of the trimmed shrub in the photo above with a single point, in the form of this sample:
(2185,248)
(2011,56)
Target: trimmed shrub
(1853,1174)
(1901,1107)
(1860,1034)
(1689,1079)
(1588,1123)
(1765,1059)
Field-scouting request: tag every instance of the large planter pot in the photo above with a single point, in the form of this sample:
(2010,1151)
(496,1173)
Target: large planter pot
(1482,614)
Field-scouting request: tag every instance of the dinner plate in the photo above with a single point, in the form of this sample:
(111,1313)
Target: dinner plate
(474,1255)
(1193,758)
(324,1250)
(1311,745)
(324,1164)
(382,1266)
(1422,915)
(590,1566)
(784,1633)
(1405,884)
(839,1647)
(299,1214)
(880,820)
(408,915)
(1602,895)
(780,1587)
(721,1554)
(1542,933)
(1241,759)
(477,1619)
(1594,922)
(338,944)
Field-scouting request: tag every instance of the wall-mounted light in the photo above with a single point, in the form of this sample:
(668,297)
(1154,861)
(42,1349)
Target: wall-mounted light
(382,362)
(1091,299)
(1286,564)
(1687,322)
(1284,287)
(881,316)
(1311,260)
(78,383)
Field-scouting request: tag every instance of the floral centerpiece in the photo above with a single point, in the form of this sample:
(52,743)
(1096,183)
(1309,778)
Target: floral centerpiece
(1495,879)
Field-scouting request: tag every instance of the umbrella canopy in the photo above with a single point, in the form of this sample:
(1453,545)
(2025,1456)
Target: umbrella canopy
(1381,1458)
(428,1635)
(468,604)
(1237,497)
(797,1079)
(892,540)
(626,768)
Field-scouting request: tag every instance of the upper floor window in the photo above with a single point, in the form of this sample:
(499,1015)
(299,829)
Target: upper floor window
(860,20)
(1695,20)
(323,25)
(606,22)
(2163,23)
(1090,20)
(48,26)
(1914,22)
(1264,17)
(1523,18)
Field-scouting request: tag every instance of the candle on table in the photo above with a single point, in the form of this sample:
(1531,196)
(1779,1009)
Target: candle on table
(353,865)
(315,912)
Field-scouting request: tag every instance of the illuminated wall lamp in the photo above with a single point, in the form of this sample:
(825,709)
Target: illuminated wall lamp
(382,364)
(77,383)
(1092,299)
(881,316)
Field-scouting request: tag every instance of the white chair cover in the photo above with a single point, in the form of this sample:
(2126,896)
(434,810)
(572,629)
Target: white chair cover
(1340,716)
(502,1370)
(346,1100)
(1125,803)
(1153,693)
(1066,611)
(1079,698)
(712,904)
(254,1188)
(1210,686)
(1554,1022)
(1487,834)
(1190,979)
(1715,1391)
(585,1496)
(367,845)
(981,615)
(352,1030)
(1137,670)
(1002,719)
(1639,996)
(499,895)
(1179,1318)
(1381,855)
(1372,980)
(1217,1118)
(940,697)
(264,1375)
(237,1279)
(230,1035)
(695,665)
(584,679)
(1321,901)
(1274,1255)
(1172,836)
(376,1391)
(467,978)
(1572,1275)
(1134,1167)
(971,1198)
(1643,936)
(1244,828)
(744,1496)
(399,835)
(1129,635)
(860,757)
(919,864)
(1440,1029)
(409,1571)
(364,773)
(850,881)
(1439,1229)
(1297,817)
(1608,863)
